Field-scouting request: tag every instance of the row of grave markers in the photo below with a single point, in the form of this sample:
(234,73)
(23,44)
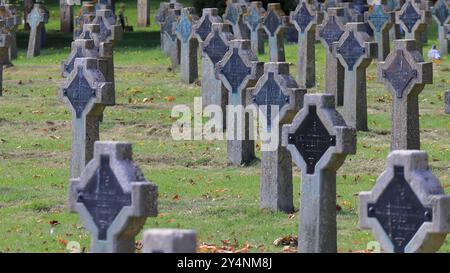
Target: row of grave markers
(407,208)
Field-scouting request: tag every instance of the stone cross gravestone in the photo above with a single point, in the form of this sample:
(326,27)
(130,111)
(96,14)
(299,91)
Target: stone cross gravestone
(447,102)
(214,48)
(355,54)
(413,21)
(8,13)
(66,16)
(305,18)
(407,210)
(238,70)
(171,43)
(381,22)
(234,15)
(203,27)
(87,94)
(275,24)
(143,16)
(37,18)
(254,19)
(86,16)
(405,74)
(319,141)
(80,48)
(110,32)
(441,14)
(5,44)
(393,6)
(113,198)
(185,32)
(278,97)
(328,32)
(169,241)
(161,17)
(105,50)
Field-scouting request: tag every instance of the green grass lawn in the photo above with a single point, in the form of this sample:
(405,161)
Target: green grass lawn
(198,190)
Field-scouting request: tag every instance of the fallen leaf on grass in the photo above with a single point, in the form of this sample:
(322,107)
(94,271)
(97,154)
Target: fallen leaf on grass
(286,241)
(169,98)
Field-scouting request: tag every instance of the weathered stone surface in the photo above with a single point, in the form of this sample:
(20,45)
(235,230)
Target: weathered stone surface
(407,210)
(113,198)
(239,70)
(319,141)
(143,18)
(66,16)
(161,17)
(36,19)
(355,54)
(305,18)
(110,31)
(328,32)
(278,97)
(87,94)
(275,24)
(171,44)
(405,74)
(5,44)
(447,102)
(185,32)
(254,19)
(9,14)
(169,241)
(203,26)
(86,16)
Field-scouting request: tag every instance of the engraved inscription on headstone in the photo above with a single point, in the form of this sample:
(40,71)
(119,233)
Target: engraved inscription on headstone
(407,210)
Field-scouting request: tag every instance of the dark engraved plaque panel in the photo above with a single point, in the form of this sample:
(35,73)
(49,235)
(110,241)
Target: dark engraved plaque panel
(168,26)
(253,19)
(378,18)
(441,12)
(235,71)
(399,211)
(104,197)
(205,28)
(184,28)
(303,17)
(351,50)
(35,19)
(105,32)
(216,48)
(271,95)
(312,139)
(331,32)
(272,23)
(71,63)
(79,93)
(399,74)
(410,17)
(232,14)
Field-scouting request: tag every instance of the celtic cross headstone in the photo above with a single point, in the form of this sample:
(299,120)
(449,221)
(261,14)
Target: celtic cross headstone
(278,98)
(381,22)
(305,18)
(203,26)
(171,45)
(110,32)
(275,24)
(87,94)
(441,14)
(238,70)
(36,19)
(328,32)
(413,20)
(407,210)
(405,74)
(8,13)
(234,15)
(355,54)
(319,141)
(185,32)
(86,16)
(214,48)
(113,198)
(254,19)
